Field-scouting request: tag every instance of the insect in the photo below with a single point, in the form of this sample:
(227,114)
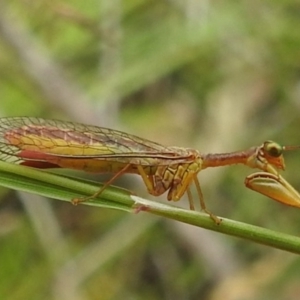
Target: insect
(41,143)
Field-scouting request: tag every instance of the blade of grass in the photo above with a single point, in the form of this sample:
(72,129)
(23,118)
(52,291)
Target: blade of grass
(66,188)
(230,227)
(61,187)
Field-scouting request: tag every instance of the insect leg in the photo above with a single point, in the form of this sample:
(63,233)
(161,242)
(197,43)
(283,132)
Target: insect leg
(155,189)
(190,197)
(76,201)
(202,202)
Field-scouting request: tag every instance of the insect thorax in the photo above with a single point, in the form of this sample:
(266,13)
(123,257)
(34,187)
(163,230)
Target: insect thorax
(177,177)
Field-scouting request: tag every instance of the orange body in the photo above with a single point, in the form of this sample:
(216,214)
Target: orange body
(44,143)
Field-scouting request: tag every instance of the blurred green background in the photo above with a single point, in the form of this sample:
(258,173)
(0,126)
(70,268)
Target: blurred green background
(212,75)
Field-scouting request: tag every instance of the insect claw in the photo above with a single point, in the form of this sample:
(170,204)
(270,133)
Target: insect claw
(76,201)
(216,219)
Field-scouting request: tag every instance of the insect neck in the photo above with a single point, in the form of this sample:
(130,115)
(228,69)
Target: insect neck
(226,159)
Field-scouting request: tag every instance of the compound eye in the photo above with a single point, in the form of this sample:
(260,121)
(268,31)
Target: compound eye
(273,149)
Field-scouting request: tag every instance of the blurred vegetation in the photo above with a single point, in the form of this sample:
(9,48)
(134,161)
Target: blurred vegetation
(211,75)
